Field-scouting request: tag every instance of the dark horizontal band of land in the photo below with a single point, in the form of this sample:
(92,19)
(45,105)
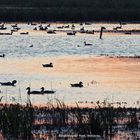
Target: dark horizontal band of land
(69,10)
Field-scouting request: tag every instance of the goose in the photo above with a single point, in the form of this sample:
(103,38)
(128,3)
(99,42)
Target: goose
(8,83)
(47,91)
(48,65)
(86,44)
(3,55)
(80,84)
(34,92)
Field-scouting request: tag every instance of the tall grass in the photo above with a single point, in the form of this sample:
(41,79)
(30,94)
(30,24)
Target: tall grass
(20,121)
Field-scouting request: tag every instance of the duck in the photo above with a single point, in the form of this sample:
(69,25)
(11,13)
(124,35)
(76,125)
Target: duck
(3,55)
(47,91)
(8,83)
(80,84)
(34,92)
(48,65)
(86,44)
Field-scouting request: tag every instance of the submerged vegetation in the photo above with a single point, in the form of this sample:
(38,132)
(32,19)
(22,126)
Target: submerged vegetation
(27,122)
(73,10)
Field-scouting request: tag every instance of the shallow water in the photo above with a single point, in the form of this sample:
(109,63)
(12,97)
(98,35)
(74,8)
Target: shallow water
(114,79)
(62,45)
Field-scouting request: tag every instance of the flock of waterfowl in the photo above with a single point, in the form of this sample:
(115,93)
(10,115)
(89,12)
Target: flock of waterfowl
(70,29)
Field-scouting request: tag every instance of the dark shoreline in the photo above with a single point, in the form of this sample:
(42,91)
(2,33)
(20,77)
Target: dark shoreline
(74,10)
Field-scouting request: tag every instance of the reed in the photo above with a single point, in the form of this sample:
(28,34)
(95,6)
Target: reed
(21,122)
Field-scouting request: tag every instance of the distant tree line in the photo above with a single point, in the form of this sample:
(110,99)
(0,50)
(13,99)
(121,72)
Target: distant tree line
(69,10)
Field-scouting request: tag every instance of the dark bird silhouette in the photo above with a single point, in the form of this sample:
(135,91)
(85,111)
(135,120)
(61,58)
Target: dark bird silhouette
(50,65)
(35,28)
(80,84)
(3,55)
(87,44)
(101,32)
(8,83)
(47,91)
(34,92)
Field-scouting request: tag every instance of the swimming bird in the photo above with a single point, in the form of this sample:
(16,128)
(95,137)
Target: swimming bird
(3,55)
(8,83)
(86,44)
(48,65)
(51,32)
(34,92)
(80,84)
(47,91)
